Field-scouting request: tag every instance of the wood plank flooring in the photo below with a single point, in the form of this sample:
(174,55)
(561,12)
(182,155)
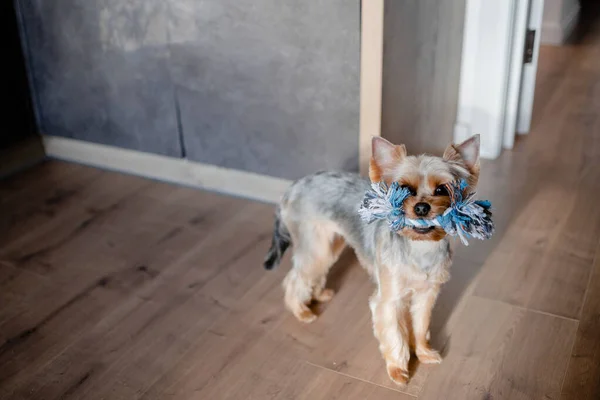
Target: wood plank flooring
(116,287)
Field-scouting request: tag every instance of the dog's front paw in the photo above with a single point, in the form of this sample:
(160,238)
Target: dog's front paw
(325,296)
(398,375)
(306,315)
(429,356)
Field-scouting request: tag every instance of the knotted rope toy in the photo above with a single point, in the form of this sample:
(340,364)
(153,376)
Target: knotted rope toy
(465,218)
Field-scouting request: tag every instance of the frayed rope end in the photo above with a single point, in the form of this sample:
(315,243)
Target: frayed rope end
(465,218)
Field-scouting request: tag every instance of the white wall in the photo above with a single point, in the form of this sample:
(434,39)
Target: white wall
(560,18)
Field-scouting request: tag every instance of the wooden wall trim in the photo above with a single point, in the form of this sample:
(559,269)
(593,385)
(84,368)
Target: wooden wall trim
(163,168)
(371,67)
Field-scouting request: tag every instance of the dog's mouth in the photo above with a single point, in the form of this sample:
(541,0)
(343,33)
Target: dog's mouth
(423,230)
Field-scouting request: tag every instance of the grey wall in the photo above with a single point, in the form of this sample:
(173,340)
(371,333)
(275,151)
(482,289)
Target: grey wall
(421,70)
(260,85)
(97,76)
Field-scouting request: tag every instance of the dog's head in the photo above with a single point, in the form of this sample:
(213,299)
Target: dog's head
(425,177)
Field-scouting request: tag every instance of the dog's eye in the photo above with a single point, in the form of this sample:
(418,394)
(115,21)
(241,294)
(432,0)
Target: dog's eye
(441,191)
(412,191)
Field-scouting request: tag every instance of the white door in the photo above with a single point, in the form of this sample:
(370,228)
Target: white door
(497,82)
(524,60)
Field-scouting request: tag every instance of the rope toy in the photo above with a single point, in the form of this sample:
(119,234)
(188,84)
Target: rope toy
(465,218)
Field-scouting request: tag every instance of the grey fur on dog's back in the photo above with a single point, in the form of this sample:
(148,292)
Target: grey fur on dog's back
(326,196)
(330,195)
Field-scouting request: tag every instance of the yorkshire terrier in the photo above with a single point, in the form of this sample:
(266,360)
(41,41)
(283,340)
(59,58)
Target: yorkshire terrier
(319,215)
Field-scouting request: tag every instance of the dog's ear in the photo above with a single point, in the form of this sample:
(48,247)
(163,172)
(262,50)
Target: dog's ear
(466,153)
(384,158)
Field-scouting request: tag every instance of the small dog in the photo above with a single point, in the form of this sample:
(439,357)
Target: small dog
(319,215)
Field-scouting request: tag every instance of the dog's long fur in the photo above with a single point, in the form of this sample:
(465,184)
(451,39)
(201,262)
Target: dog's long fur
(318,216)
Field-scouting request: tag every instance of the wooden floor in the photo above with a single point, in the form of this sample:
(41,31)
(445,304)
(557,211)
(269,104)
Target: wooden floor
(116,287)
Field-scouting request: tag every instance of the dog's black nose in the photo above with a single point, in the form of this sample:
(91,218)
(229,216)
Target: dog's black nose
(421,209)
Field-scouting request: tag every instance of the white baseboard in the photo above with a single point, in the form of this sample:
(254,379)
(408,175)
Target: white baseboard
(552,34)
(169,169)
(556,33)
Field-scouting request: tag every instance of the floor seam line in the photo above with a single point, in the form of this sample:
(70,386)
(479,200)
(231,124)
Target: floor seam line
(358,379)
(520,307)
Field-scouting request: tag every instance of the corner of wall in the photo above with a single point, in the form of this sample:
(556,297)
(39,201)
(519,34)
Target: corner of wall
(23,154)
(560,19)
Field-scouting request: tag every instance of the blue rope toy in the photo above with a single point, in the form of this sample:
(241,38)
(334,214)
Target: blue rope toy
(465,218)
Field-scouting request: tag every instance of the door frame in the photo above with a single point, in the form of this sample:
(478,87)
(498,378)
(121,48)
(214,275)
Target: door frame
(519,34)
(371,74)
(534,22)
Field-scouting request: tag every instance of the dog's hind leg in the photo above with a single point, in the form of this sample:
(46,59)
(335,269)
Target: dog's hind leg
(316,249)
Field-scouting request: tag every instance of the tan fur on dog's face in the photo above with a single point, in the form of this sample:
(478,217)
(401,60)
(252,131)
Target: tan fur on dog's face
(423,175)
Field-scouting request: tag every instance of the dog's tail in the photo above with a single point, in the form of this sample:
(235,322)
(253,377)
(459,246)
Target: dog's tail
(279,244)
